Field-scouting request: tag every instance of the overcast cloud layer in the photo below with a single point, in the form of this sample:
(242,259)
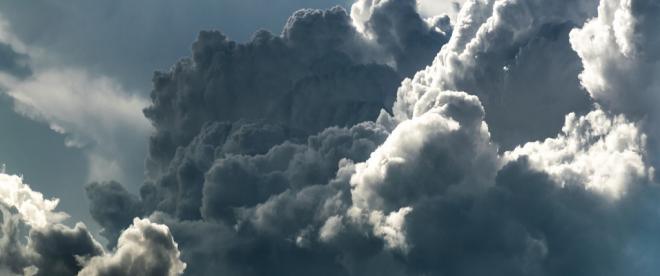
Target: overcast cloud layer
(518,139)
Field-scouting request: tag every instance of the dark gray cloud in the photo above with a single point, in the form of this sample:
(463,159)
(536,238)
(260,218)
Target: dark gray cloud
(319,73)
(405,36)
(282,156)
(13,62)
(111,205)
(232,124)
(528,225)
(61,250)
(239,181)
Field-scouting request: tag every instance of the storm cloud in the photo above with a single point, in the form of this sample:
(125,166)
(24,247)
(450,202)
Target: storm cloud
(517,140)
(443,183)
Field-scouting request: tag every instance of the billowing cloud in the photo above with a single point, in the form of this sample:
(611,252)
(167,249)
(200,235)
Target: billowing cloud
(33,208)
(144,248)
(296,154)
(619,51)
(606,154)
(516,57)
(33,241)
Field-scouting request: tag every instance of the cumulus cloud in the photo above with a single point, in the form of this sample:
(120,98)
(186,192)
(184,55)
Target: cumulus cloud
(290,155)
(319,73)
(619,51)
(33,241)
(112,207)
(604,153)
(33,208)
(495,52)
(145,248)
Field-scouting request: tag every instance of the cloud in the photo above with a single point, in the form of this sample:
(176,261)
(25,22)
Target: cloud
(93,112)
(320,72)
(444,148)
(619,52)
(59,250)
(282,156)
(52,248)
(431,8)
(602,152)
(111,205)
(495,52)
(145,248)
(397,27)
(30,205)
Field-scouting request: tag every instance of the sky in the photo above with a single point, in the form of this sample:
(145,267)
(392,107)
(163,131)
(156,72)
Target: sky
(354,137)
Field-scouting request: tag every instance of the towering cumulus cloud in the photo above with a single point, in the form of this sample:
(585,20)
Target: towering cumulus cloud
(519,141)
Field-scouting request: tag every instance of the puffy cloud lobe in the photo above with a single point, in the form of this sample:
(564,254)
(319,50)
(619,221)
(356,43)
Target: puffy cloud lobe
(444,148)
(619,51)
(33,209)
(61,250)
(13,255)
(112,207)
(244,181)
(603,153)
(319,72)
(494,53)
(397,27)
(52,248)
(549,211)
(145,248)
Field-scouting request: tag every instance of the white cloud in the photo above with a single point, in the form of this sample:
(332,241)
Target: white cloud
(431,8)
(33,209)
(603,153)
(144,248)
(620,52)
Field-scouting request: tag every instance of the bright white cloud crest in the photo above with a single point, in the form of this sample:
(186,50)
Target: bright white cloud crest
(32,207)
